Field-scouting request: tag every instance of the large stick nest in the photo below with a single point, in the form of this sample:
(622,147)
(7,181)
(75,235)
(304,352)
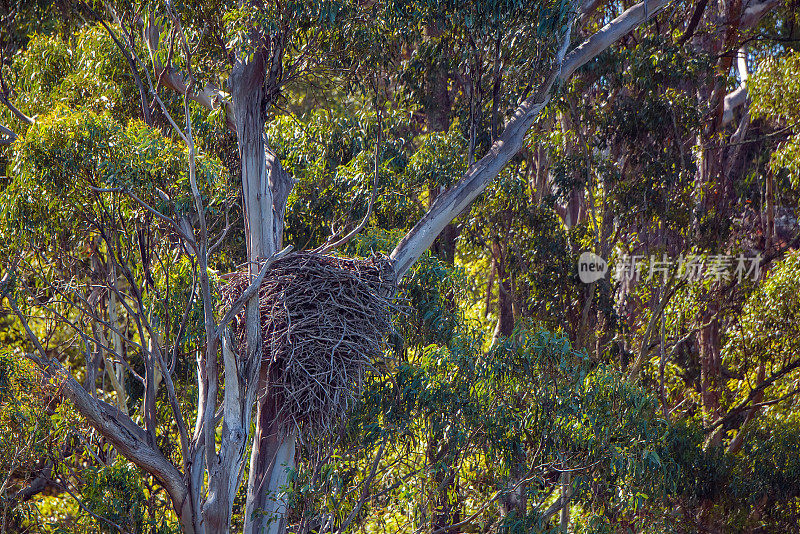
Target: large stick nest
(324,321)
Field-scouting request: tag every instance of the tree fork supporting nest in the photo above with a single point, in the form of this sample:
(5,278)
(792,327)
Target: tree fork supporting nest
(324,320)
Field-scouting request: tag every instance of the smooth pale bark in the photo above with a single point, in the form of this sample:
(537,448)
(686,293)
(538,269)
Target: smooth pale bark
(273,455)
(117,372)
(247,88)
(455,200)
(737,98)
(265,189)
(9,136)
(127,437)
(278,477)
(732,101)
(225,472)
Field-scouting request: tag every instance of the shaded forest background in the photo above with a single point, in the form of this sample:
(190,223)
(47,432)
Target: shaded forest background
(511,397)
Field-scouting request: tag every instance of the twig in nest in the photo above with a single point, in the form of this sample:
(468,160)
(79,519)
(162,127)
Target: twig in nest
(324,320)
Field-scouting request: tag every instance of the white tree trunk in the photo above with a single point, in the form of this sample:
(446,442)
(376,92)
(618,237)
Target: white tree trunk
(265,188)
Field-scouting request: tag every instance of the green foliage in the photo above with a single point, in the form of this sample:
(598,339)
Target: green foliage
(765,468)
(25,423)
(775,90)
(34,422)
(91,73)
(439,158)
(768,327)
(431,291)
(646,113)
(530,396)
(101,79)
(66,157)
(115,494)
(776,95)
(332,159)
(41,67)
(627,158)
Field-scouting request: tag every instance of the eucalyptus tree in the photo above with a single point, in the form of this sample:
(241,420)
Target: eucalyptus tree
(672,153)
(255,51)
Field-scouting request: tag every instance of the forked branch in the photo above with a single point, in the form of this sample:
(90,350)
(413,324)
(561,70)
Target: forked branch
(455,200)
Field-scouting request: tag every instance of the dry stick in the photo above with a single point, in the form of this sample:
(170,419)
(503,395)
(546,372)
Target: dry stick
(317,391)
(328,247)
(239,304)
(365,490)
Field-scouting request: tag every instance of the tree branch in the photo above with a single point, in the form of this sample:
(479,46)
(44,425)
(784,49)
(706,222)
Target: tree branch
(119,429)
(452,202)
(210,96)
(754,13)
(128,58)
(365,489)
(10,136)
(697,15)
(20,115)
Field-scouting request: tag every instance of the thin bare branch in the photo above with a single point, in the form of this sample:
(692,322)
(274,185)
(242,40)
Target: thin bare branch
(354,232)
(128,59)
(17,113)
(239,304)
(365,489)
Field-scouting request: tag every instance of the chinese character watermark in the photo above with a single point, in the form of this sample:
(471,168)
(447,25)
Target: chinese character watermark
(717,267)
